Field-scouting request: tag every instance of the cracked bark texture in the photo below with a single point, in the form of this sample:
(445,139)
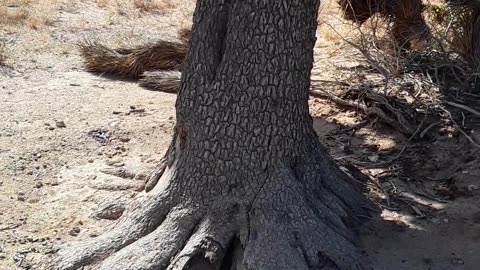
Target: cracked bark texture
(246,183)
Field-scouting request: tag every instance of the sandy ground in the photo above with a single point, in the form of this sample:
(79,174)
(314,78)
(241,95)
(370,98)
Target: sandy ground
(63,130)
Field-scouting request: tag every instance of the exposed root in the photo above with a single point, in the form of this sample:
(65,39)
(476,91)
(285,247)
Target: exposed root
(295,236)
(138,222)
(155,176)
(131,63)
(155,250)
(208,245)
(167,165)
(119,172)
(285,225)
(111,210)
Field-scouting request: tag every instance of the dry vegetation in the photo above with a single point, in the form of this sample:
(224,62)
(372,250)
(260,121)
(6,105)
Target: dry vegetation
(35,14)
(131,7)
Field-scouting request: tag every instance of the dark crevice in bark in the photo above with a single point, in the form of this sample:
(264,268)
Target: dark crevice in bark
(325,263)
(228,260)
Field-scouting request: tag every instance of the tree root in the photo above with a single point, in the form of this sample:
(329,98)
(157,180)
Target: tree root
(285,225)
(142,217)
(296,218)
(155,250)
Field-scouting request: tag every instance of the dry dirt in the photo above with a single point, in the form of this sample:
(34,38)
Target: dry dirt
(63,131)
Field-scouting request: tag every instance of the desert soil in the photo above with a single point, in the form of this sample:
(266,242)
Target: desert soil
(66,136)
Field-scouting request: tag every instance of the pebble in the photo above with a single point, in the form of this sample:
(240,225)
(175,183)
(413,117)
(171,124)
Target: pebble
(21,196)
(33,200)
(60,124)
(39,185)
(75,231)
(124,139)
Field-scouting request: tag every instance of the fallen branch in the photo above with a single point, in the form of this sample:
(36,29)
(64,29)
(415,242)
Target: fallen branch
(402,127)
(461,130)
(466,108)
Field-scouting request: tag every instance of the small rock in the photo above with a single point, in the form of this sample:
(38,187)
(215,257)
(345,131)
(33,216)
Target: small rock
(60,124)
(124,139)
(51,250)
(2,257)
(90,161)
(33,200)
(51,128)
(75,231)
(121,148)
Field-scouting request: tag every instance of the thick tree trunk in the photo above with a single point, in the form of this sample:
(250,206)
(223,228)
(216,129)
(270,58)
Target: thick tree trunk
(245,184)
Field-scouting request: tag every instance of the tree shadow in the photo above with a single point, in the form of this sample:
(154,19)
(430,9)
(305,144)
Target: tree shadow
(425,180)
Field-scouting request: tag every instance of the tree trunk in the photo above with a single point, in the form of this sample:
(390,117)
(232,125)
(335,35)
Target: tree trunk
(245,183)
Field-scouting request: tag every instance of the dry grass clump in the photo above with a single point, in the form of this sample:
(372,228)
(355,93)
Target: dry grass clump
(133,62)
(466,38)
(457,31)
(164,81)
(35,14)
(405,16)
(125,7)
(154,5)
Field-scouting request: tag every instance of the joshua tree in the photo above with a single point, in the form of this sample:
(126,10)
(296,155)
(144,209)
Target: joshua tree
(245,183)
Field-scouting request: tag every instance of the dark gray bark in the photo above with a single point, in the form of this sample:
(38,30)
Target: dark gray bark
(245,183)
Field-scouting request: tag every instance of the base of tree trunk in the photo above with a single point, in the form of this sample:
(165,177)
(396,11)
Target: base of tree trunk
(297,220)
(245,183)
